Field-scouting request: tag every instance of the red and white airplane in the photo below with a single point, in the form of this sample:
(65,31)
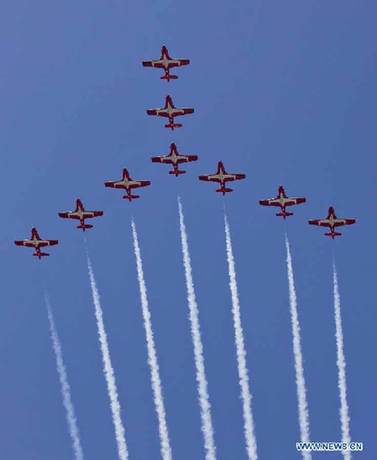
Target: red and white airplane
(282,200)
(222,177)
(174,158)
(37,243)
(166,62)
(170,111)
(81,214)
(332,222)
(127,183)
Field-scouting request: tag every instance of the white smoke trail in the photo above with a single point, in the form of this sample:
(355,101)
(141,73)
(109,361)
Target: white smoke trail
(303,412)
(205,406)
(152,356)
(341,363)
(108,369)
(251,443)
(65,387)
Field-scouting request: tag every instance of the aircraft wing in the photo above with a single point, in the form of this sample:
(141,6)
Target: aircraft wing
(161,159)
(293,201)
(186,158)
(232,177)
(287,201)
(210,178)
(172,63)
(114,184)
(94,213)
(153,111)
(270,202)
(340,222)
(43,243)
(67,215)
(140,183)
(238,176)
(182,111)
(183,61)
(27,243)
(150,63)
(320,222)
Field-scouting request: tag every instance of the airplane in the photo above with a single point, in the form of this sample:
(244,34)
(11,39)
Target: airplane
(81,214)
(37,243)
(222,177)
(174,158)
(128,184)
(282,200)
(332,222)
(170,111)
(166,62)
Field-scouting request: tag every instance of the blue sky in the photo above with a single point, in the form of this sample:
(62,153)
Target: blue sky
(283,91)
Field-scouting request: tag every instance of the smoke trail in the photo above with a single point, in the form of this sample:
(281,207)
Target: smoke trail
(65,387)
(108,369)
(303,412)
(205,406)
(152,356)
(341,363)
(251,443)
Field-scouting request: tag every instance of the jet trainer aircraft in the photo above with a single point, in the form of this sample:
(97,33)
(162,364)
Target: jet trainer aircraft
(166,62)
(282,200)
(81,214)
(332,222)
(170,111)
(127,183)
(174,158)
(222,177)
(37,243)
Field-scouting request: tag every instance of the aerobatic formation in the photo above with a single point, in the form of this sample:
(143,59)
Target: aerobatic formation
(174,158)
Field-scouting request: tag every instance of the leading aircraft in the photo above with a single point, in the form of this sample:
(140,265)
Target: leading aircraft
(37,243)
(222,177)
(166,62)
(80,213)
(127,183)
(170,111)
(174,158)
(332,222)
(282,200)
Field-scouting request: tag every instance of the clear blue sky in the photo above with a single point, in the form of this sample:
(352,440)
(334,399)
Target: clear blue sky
(283,91)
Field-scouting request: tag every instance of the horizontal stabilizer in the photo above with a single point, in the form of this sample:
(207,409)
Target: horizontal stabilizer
(333,234)
(178,172)
(41,254)
(169,77)
(224,190)
(130,197)
(284,214)
(84,226)
(173,125)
